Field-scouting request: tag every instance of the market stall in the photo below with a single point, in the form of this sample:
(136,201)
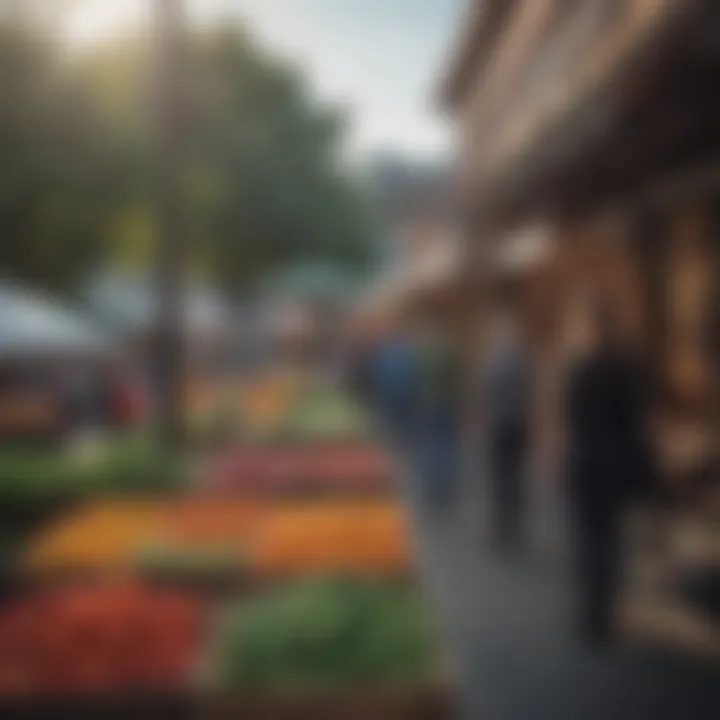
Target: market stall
(278,584)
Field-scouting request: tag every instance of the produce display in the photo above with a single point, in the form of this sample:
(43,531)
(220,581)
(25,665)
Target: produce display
(267,400)
(105,534)
(210,522)
(178,564)
(117,534)
(325,633)
(322,413)
(137,463)
(271,539)
(299,470)
(291,407)
(365,538)
(126,464)
(28,474)
(100,639)
(297,525)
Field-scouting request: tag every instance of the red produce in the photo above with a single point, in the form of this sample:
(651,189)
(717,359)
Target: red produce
(300,470)
(100,639)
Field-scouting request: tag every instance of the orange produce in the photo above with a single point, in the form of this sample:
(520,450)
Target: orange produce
(210,521)
(361,537)
(274,539)
(105,534)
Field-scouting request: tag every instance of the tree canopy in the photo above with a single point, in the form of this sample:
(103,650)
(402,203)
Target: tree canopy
(263,181)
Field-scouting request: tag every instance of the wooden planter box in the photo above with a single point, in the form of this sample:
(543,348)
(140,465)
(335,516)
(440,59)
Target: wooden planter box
(428,703)
(410,704)
(111,706)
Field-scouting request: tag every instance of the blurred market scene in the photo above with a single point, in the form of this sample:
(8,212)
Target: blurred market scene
(360,359)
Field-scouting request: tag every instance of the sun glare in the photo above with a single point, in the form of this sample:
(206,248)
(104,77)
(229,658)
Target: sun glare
(93,20)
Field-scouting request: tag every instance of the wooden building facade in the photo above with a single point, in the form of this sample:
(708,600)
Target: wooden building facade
(597,122)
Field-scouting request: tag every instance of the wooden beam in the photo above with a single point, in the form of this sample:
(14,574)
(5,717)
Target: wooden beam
(580,114)
(481,27)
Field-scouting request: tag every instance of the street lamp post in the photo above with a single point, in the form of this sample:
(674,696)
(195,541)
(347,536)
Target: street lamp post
(170,105)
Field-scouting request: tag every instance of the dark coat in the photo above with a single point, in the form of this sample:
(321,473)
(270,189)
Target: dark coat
(607,405)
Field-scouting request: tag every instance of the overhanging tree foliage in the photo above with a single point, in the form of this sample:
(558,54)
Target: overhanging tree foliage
(57,172)
(269,189)
(264,185)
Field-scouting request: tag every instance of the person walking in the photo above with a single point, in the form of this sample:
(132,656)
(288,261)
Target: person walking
(392,386)
(438,414)
(609,460)
(506,400)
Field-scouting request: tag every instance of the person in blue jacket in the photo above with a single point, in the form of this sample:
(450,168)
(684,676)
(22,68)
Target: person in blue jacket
(393,376)
(438,410)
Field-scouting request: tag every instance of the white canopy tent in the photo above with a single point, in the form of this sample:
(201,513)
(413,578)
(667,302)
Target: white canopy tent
(35,324)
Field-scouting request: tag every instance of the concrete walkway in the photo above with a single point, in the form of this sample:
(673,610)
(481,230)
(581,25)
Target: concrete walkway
(509,632)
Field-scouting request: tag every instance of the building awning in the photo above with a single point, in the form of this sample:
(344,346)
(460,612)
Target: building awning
(581,110)
(440,264)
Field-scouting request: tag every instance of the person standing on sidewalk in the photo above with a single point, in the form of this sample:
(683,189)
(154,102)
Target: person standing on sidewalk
(609,459)
(506,397)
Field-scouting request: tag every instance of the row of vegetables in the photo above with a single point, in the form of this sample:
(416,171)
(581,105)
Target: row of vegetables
(314,441)
(278,406)
(299,470)
(133,466)
(314,634)
(257,540)
(125,464)
(301,514)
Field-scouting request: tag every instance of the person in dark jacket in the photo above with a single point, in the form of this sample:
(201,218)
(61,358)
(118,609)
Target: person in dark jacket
(609,461)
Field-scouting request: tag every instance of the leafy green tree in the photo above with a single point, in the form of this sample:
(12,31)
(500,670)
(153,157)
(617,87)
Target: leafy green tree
(263,179)
(266,183)
(57,169)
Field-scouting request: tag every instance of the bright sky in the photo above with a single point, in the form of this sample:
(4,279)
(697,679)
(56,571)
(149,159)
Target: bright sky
(379,57)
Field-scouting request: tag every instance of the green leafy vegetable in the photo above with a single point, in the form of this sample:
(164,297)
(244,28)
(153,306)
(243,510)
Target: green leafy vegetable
(324,633)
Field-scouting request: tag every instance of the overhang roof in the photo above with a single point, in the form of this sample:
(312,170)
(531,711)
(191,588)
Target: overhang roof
(480,25)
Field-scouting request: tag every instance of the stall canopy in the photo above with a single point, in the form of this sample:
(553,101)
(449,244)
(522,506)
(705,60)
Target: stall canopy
(127,302)
(312,282)
(33,324)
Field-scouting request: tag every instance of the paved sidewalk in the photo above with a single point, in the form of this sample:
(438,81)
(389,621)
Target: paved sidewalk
(508,626)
